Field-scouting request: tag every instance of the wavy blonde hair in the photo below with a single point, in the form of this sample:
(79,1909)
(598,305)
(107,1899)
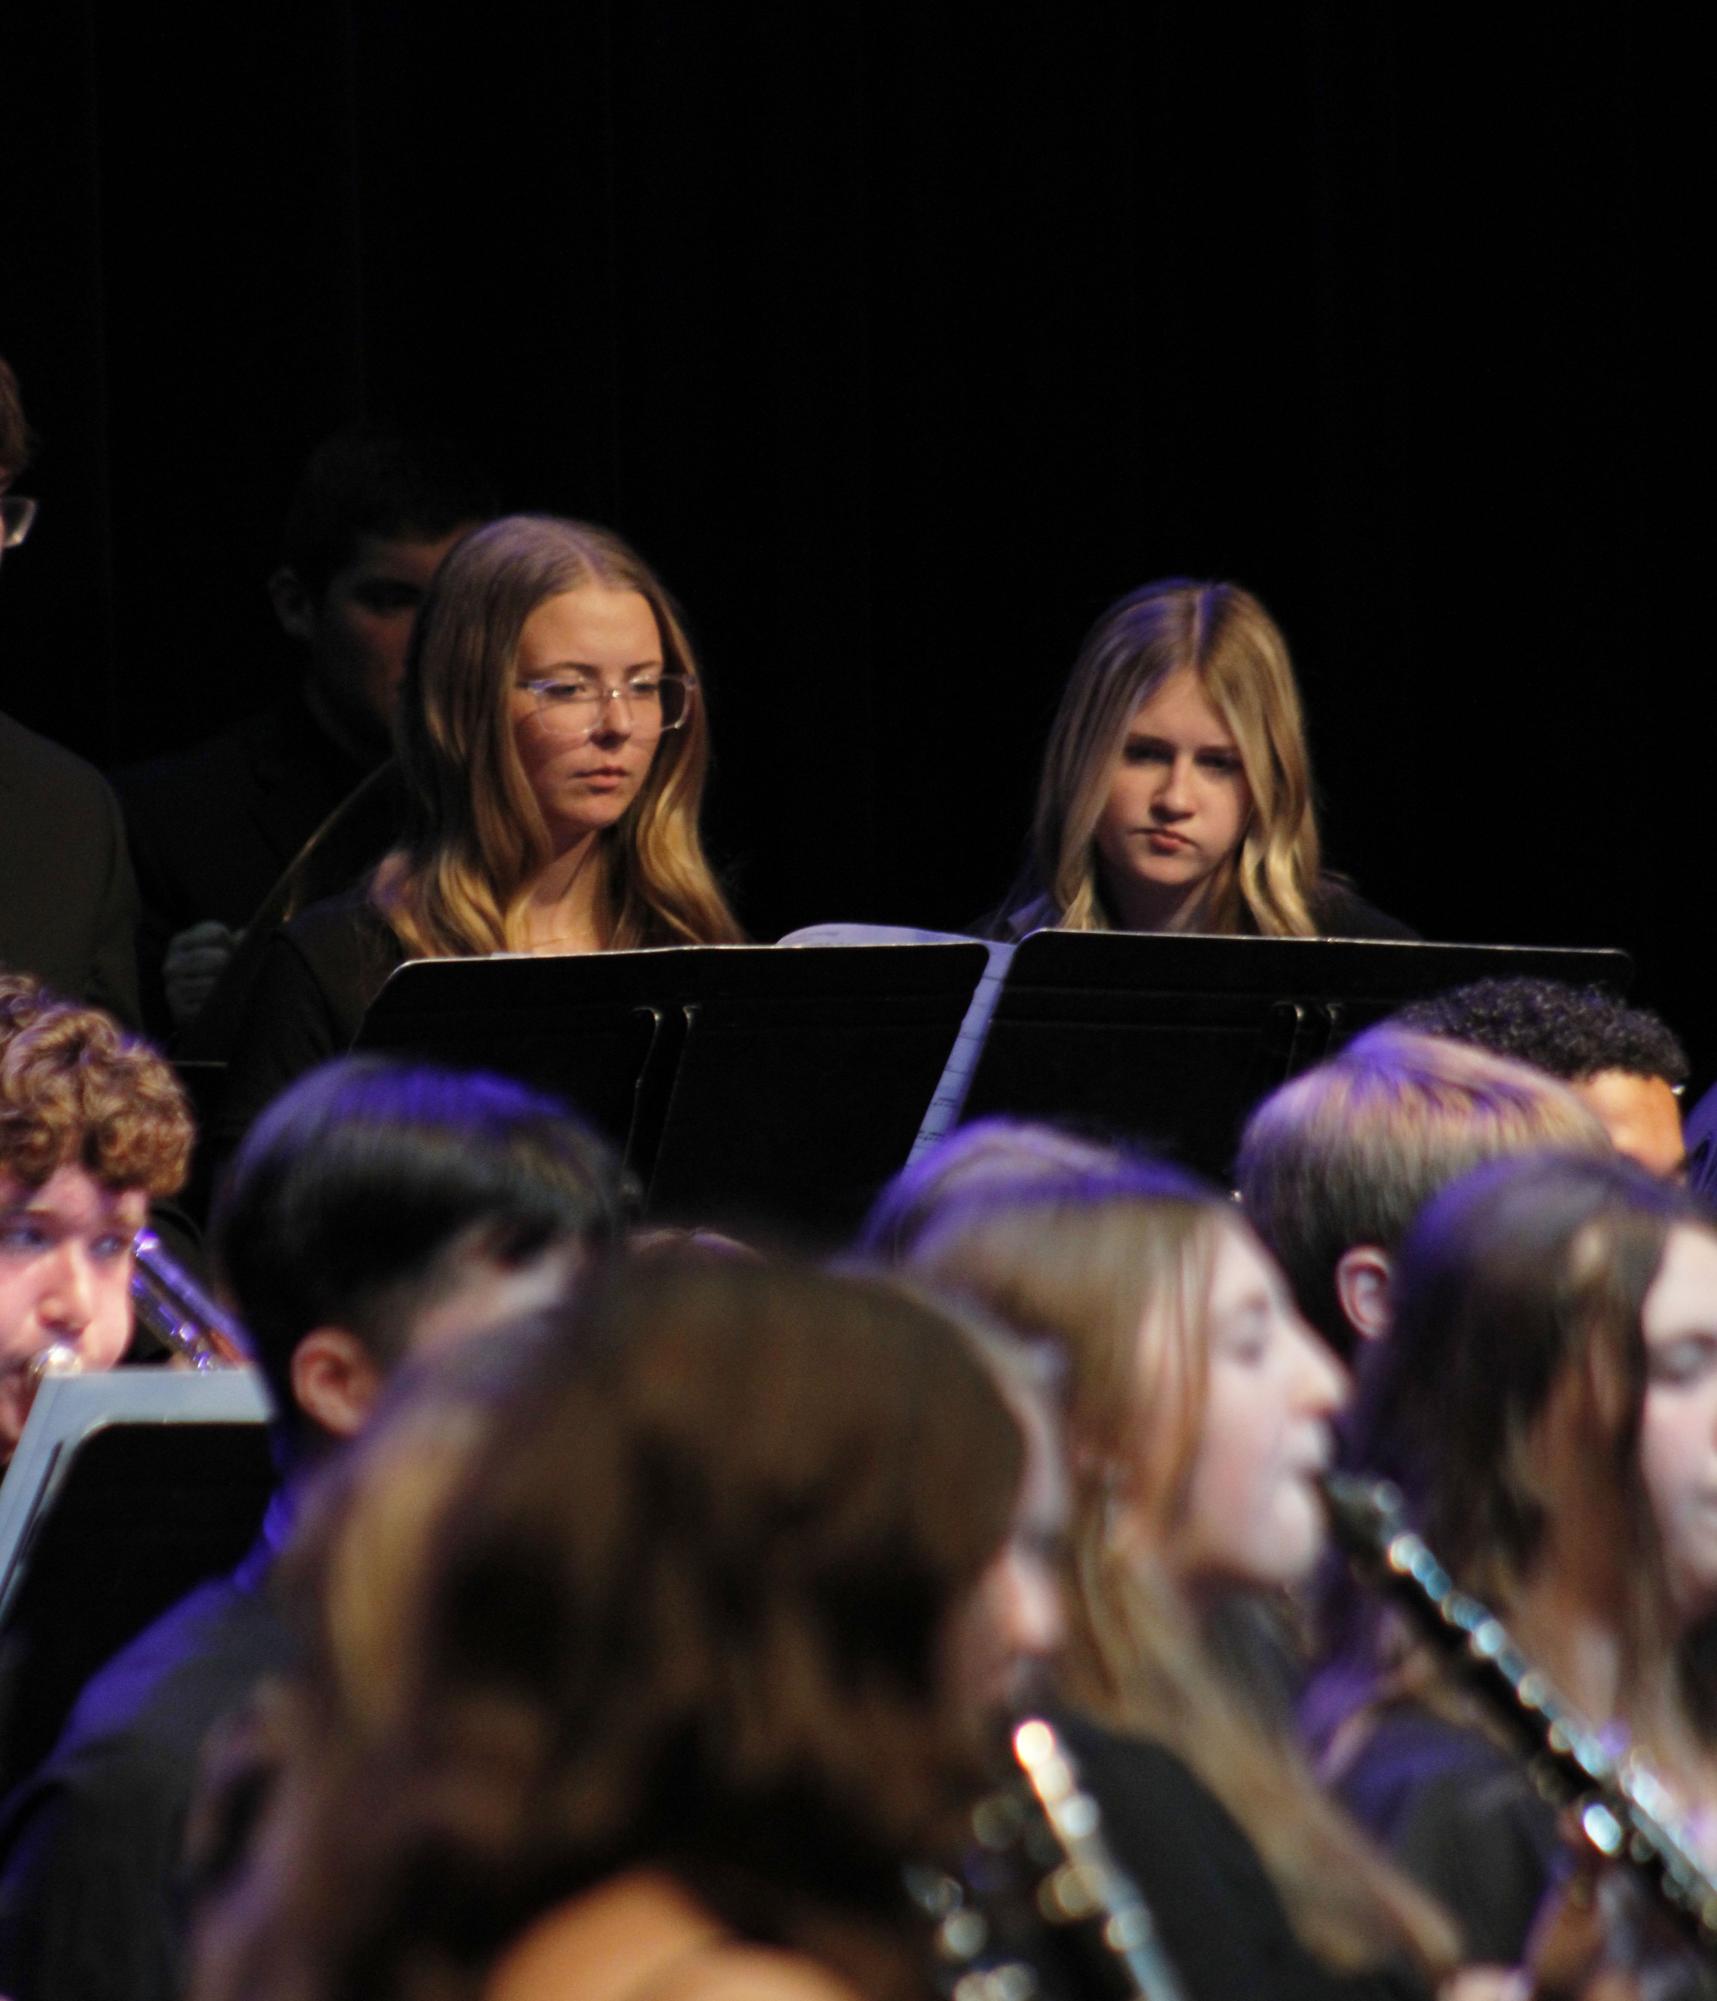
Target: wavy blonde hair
(475,836)
(1118,1269)
(1225,637)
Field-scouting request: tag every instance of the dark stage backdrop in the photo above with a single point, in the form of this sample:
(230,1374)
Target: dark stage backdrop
(902,340)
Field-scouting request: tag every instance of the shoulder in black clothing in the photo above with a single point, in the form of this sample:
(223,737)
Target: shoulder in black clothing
(68,904)
(1341,912)
(313,986)
(213,827)
(349,949)
(1462,1818)
(1220,1916)
(91,1845)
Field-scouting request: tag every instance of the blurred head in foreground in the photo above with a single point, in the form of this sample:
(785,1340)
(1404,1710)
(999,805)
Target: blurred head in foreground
(723,1600)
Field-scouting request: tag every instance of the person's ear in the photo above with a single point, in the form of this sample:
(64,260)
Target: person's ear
(1362,1287)
(293,605)
(335,1381)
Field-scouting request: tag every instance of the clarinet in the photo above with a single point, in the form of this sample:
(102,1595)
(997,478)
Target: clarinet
(1622,1814)
(1041,1911)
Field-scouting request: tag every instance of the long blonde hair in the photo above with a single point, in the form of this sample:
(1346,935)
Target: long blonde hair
(1118,1268)
(475,836)
(1224,636)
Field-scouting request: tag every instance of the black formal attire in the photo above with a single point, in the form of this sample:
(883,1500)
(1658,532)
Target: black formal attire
(1220,1917)
(313,985)
(213,828)
(92,1844)
(68,905)
(1341,912)
(1338,910)
(1462,1818)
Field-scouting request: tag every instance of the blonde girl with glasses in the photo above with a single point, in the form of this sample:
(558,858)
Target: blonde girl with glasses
(553,742)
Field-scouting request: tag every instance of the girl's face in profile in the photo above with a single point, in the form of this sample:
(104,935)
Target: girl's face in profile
(1176,812)
(1253,1515)
(1678,1431)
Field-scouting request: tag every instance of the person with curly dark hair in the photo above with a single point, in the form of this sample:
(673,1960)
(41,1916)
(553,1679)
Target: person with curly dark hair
(1623,1061)
(93,1124)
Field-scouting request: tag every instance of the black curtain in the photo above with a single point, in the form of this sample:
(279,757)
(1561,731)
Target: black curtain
(902,340)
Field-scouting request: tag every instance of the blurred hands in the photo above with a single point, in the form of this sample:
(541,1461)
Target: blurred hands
(196,958)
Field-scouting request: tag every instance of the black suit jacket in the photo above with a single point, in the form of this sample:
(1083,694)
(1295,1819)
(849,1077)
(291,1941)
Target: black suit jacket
(68,904)
(214,827)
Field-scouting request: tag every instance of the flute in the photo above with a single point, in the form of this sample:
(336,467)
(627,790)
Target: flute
(1041,1910)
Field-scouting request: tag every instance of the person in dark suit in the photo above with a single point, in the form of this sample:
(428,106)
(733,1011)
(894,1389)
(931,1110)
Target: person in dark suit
(213,827)
(67,900)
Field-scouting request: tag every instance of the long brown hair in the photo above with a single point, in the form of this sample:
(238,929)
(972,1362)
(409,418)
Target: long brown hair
(1225,637)
(1118,1268)
(475,836)
(1511,1388)
(685,1611)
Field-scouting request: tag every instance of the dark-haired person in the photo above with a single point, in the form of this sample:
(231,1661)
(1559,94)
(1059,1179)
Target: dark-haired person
(68,904)
(707,1645)
(1335,1165)
(378,1211)
(214,826)
(1623,1061)
(1547,1403)
(93,1125)
(553,740)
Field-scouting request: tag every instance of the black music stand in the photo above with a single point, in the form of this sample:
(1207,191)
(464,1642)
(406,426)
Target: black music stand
(1170,1041)
(127,1490)
(744,1084)
(584,1027)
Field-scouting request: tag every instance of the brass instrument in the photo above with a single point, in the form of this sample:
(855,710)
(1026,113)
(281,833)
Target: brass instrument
(173,1306)
(1623,1814)
(167,1300)
(1041,1910)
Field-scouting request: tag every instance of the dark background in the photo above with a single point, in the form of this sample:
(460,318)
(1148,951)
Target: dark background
(902,340)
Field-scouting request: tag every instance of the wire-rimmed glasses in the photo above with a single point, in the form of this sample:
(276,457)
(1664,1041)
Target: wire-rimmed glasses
(576,706)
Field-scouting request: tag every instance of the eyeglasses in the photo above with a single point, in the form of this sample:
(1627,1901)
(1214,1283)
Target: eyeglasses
(16,514)
(578,709)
